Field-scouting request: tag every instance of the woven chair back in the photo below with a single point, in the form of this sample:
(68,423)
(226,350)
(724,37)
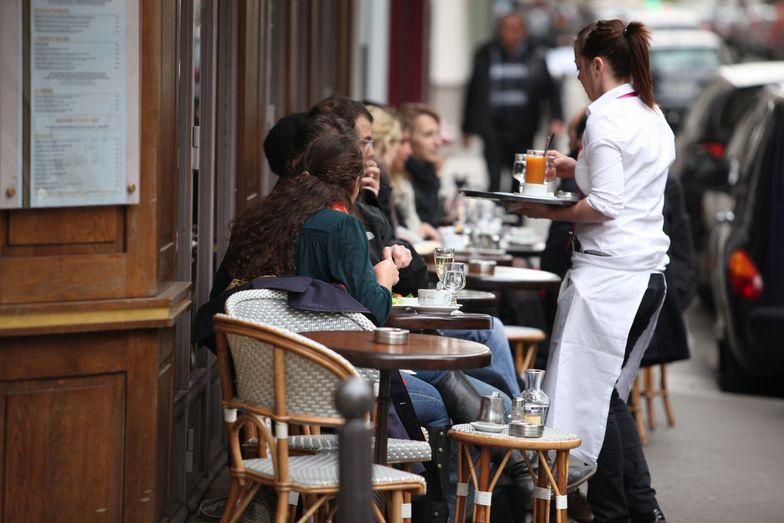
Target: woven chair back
(270,307)
(282,374)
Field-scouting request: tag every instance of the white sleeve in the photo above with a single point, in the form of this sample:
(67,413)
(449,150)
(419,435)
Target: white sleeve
(605,165)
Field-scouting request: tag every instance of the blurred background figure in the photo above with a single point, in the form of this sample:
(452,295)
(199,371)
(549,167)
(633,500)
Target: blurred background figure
(509,85)
(423,127)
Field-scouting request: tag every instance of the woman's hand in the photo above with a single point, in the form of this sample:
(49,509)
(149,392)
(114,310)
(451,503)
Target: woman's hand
(428,232)
(564,165)
(399,254)
(386,273)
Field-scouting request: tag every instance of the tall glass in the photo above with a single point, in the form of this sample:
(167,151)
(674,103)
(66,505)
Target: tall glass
(518,169)
(455,278)
(442,256)
(535,166)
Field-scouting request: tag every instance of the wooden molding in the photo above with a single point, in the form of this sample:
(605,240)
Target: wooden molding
(99,315)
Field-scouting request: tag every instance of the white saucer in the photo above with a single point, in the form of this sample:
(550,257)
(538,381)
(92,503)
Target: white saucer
(483,426)
(435,309)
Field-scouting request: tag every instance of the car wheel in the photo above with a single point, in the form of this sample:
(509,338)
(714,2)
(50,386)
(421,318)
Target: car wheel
(731,377)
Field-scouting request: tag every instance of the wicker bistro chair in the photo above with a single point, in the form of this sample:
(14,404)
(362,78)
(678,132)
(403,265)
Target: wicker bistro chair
(547,479)
(287,378)
(270,307)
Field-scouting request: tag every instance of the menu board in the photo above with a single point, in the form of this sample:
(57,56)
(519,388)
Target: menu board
(83,99)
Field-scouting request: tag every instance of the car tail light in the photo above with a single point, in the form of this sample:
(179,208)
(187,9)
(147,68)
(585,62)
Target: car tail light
(744,278)
(715,149)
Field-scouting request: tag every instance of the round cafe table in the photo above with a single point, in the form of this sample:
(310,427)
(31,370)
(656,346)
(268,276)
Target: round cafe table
(419,321)
(420,352)
(514,278)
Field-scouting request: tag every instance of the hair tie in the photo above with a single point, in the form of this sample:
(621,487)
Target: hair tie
(625,30)
(305,173)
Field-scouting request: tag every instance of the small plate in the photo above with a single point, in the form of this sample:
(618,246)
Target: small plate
(483,426)
(435,309)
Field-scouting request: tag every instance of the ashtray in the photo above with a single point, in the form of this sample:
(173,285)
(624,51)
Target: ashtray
(482,267)
(390,335)
(522,429)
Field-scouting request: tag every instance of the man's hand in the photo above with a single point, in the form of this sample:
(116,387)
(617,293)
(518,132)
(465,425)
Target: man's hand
(371,177)
(399,255)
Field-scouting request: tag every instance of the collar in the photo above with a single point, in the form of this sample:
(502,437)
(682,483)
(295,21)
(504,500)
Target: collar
(609,96)
(338,206)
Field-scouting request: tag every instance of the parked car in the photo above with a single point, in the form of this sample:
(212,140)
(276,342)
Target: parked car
(747,248)
(682,63)
(701,144)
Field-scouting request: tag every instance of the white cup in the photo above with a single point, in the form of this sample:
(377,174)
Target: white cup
(434,297)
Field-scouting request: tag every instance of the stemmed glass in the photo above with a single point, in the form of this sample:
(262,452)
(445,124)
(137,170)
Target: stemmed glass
(454,278)
(442,256)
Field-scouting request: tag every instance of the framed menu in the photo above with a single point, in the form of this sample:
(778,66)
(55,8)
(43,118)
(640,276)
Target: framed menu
(79,77)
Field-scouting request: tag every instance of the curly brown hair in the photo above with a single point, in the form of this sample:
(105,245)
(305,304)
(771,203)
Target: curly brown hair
(264,237)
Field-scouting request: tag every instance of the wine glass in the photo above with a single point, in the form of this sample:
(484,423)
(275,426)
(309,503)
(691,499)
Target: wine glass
(442,256)
(518,169)
(454,278)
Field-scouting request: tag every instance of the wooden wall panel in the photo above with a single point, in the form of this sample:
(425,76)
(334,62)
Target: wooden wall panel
(64,226)
(64,437)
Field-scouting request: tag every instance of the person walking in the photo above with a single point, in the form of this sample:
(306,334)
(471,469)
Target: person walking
(508,88)
(610,299)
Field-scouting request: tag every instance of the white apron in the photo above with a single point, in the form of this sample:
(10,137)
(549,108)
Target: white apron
(597,304)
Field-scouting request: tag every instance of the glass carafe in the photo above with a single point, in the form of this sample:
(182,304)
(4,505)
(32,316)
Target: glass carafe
(535,402)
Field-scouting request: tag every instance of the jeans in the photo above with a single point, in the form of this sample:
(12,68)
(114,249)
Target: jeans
(502,363)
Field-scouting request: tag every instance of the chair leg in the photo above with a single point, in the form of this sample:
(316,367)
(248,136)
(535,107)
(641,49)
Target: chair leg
(282,507)
(395,506)
(519,359)
(462,485)
(650,393)
(530,355)
(666,394)
(231,502)
(635,407)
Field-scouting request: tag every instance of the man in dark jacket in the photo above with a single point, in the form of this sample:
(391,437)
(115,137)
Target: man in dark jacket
(508,88)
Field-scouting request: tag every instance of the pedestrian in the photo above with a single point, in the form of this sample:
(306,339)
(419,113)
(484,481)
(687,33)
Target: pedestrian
(509,86)
(610,299)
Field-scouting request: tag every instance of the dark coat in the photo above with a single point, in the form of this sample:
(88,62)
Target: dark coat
(670,341)
(479,117)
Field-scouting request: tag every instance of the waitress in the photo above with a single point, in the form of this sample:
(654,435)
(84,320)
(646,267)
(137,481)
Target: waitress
(610,299)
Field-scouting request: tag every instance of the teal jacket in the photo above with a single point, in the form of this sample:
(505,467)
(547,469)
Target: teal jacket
(333,247)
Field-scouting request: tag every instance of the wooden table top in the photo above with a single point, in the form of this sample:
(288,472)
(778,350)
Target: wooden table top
(421,352)
(514,278)
(419,321)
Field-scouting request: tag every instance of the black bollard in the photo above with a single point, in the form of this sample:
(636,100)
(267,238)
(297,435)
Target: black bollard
(353,400)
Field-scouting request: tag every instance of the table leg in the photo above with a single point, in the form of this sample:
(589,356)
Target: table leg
(562,469)
(482,506)
(542,492)
(382,418)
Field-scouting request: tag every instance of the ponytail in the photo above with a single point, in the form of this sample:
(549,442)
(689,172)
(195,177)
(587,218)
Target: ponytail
(625,47)
(638,37)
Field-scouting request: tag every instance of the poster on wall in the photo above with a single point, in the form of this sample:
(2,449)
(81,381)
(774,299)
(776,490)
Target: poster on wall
(83,98)
(69,103)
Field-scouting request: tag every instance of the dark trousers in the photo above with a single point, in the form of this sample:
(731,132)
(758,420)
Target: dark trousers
(621,491)
(500,147)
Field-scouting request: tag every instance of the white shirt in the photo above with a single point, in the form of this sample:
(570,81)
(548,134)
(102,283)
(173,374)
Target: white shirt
(627,151)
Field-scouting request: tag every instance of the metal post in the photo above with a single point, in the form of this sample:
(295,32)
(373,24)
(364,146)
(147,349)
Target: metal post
(353,400)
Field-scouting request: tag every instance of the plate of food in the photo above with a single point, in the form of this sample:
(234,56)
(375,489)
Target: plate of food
(400,301)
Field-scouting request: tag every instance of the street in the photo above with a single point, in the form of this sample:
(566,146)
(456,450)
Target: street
(723,460)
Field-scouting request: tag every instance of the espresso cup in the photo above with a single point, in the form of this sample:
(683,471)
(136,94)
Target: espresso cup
(434,297)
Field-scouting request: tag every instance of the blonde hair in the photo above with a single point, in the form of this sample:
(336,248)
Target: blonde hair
(386,129)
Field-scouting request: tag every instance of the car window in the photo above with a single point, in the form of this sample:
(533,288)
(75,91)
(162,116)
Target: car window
(736,106)
(684,60)
(699,125)
(745,153)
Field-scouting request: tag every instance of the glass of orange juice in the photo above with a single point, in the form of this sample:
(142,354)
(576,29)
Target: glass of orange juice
(535,166)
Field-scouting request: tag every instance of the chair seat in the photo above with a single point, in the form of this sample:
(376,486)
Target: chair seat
(398,450)
(520,333)
(321,471)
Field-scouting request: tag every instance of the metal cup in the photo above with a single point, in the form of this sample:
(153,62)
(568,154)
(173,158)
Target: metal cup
(492,409)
